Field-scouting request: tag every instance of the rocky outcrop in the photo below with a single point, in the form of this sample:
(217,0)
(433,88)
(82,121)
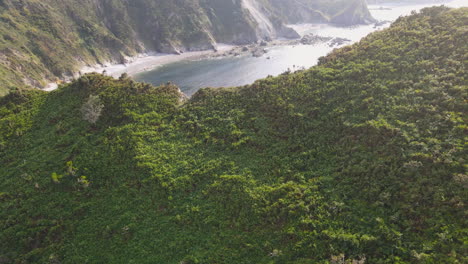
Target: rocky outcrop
(312,39)
(271,16)
(287,32)
(356,12)
(267,25)
(338,42)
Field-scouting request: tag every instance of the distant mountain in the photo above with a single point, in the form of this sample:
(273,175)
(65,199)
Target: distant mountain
(41,41)
(361,159)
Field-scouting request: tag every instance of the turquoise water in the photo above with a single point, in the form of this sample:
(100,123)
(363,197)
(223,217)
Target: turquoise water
(236,71)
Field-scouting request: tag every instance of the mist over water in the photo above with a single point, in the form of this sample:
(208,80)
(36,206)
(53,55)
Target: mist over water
(236,71)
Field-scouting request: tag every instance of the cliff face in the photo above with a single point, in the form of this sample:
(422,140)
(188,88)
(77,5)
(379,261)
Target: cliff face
(349,12)
(355,12)
(230,22)
(41,41)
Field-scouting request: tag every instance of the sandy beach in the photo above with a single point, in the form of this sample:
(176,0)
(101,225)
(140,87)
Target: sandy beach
(147,61)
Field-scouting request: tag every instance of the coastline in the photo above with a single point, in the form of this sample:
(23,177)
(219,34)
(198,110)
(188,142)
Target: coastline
(145,62)
(151,60)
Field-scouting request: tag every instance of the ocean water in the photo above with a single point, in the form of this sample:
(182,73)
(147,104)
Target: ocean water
(236,71)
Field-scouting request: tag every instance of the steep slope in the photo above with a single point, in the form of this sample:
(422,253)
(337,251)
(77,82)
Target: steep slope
(47,40)
(361,158)
(265,26)
(346,13)
(355,12)
(43,40)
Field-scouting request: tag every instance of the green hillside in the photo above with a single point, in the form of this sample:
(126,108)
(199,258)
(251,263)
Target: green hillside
(43,41)
(361,158)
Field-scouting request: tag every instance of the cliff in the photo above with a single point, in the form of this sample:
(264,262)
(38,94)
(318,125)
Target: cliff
(354,12)
(47,40)
(322,11)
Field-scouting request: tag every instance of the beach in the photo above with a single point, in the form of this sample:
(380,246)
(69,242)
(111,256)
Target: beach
(148,61)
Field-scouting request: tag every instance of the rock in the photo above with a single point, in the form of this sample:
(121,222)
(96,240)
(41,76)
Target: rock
(287,32)
(244,49)
(124,59)
(312,39)
(381,23)
(263,43)
(258,52)
(338,41)
(214,47)
(357,13)
(182,96)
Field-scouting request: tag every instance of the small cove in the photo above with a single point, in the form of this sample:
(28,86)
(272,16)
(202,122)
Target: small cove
(191,75)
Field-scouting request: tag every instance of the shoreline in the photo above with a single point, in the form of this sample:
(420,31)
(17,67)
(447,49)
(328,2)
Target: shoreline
(146,62)
(149,61)
(152,60)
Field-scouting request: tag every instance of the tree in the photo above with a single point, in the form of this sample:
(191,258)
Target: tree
(92,109)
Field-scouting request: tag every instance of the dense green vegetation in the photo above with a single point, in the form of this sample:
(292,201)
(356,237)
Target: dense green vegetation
(47,40)
(361,158)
